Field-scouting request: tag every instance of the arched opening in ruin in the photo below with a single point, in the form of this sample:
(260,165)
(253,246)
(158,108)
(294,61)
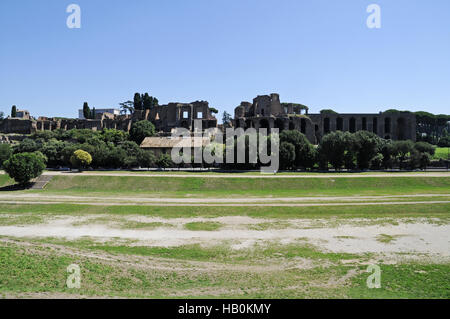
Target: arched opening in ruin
(375,125)
(352,125)
(185,124)
(364,124)
(303,126)
(248,124)
(264,124)
(279,124)
(387,125)
(339,124)
(401,129)
(291,126)
(326,125)
(238,124)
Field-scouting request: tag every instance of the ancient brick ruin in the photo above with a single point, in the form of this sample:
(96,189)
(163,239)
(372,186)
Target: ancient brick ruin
(267,111)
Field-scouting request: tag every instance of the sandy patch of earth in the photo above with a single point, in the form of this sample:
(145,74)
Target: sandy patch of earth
(414,236)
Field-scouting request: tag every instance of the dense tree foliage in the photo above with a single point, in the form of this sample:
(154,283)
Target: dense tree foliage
(5,153)
(13,111)
(23,167)
(81,159)
(140,130)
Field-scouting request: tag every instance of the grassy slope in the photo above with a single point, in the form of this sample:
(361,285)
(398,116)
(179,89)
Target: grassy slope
(35,212)
(5,180)
(242,187)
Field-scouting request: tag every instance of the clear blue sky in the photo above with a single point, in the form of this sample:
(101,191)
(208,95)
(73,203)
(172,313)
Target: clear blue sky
(316,52)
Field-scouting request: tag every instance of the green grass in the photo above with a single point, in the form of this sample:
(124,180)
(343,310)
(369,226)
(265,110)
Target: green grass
(203,226)
(44,271)
(5,180)
(386,239)
(406,281)
(244,187)
(368,212)
(442,152)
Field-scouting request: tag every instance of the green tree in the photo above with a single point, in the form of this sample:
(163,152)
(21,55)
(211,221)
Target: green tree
(287,155)
(148,101)
(164,161)
(226,119)
(127,106)
(5,153)
(27,146)
(140,130)
(146,159)
(424,147)
(137,101)
(23,167)
(401,151)
(86,111)
(81,159)
(93,115)
(116,157)
(2,116)
(367,145)
(13,111)
(333,148)
(114,136)
(52,149)
(305,153)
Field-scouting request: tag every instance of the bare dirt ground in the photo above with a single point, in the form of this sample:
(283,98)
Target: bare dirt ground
(415,236)
(37,198)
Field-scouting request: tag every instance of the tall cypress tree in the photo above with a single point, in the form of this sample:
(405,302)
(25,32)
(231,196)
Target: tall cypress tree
(137,102)
(93,113)
(86,111)
(13,111)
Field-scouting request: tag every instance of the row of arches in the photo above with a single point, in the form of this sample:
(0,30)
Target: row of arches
(352,125)
(280,123)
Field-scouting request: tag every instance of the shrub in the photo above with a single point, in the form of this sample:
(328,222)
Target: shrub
(80,159)
(164,161)
(424,147)
(23,167)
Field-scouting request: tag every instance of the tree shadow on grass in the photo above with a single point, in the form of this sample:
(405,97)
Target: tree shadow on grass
(16,187)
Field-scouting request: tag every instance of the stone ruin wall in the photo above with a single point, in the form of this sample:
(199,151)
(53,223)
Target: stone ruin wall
(267,112)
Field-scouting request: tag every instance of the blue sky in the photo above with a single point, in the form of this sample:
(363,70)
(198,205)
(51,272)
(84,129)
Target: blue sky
(317,52)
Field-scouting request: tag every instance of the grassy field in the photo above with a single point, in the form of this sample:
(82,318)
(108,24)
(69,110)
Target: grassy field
(442,152)
(242,187)
(205,265)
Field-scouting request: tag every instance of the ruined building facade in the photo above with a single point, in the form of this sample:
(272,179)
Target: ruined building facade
(267,111)
(174,115)
(164,117)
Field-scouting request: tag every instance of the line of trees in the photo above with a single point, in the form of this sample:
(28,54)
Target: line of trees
(108,148)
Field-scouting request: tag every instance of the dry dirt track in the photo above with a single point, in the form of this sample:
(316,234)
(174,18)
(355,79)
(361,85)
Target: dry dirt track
(250,201)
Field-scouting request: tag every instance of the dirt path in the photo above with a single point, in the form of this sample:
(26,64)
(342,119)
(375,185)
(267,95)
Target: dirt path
(414,236)
(42,198)
(224,205)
